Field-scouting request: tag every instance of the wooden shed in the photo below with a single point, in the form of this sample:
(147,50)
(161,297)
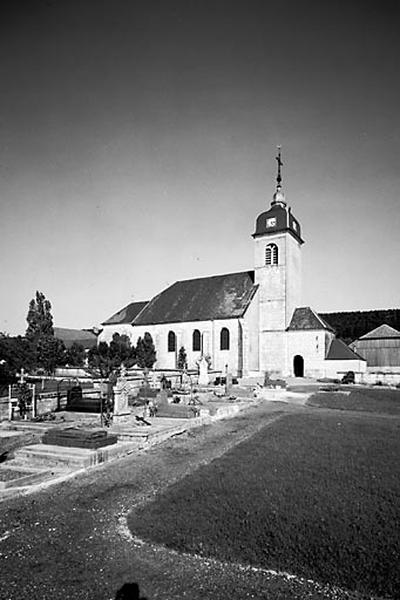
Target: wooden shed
(380,347)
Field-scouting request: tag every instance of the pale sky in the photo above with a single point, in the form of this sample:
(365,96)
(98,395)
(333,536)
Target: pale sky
(138,143)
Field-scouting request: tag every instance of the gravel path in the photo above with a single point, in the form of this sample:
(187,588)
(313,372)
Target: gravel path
(70,540)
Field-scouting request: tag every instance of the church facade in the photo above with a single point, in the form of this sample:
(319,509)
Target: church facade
(250,322)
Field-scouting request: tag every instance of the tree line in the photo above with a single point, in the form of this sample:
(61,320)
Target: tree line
(351,325)
(40,350)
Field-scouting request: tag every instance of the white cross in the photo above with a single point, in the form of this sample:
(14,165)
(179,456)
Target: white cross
(21,375)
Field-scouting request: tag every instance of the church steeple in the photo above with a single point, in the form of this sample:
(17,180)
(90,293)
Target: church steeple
(279,217)
(279,196)
(277,266)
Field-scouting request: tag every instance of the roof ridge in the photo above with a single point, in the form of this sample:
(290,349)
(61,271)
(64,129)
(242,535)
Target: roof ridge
(390,331)
(213,276)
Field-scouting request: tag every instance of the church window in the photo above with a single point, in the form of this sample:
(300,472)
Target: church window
(196,346)
(224,345)
(171,342)
(271,254)
(271,222)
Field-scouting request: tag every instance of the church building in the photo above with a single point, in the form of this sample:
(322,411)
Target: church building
(250,322)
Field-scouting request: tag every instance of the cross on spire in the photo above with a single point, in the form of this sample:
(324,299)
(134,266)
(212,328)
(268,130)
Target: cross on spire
(280,164)
(279,196)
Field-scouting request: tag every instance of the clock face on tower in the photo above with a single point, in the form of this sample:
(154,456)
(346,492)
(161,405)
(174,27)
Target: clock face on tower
(271,222)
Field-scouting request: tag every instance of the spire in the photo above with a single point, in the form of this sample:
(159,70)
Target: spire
(279,196)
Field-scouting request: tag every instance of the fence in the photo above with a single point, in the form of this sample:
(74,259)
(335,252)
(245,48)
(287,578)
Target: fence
(42,403)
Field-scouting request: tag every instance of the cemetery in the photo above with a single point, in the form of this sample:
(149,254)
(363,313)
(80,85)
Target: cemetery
(86,422)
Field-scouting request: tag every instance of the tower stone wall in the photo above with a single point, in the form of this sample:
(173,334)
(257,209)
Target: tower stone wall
(278,295)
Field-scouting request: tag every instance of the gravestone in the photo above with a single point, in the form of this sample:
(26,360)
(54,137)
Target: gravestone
(77,402)
(228,382)
(74,397)
(162,398)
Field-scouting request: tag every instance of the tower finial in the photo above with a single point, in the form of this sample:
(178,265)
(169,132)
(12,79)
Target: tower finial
(279,196)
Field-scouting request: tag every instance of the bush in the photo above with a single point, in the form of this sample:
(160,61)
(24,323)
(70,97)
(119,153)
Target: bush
(349,377)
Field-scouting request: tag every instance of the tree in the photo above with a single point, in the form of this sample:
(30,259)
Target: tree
(108,358)
(75,355)
(145,352)
(351,325)
(182,358)
(39,317)
(50,352)
(15,353)
(99,358)
(121,351)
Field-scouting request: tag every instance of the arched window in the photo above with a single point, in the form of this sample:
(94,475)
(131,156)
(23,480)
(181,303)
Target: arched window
(224,345)
(196,345)
(171,342)
(271,254)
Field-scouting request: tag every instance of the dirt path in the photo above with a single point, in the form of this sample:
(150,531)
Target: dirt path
(70,540)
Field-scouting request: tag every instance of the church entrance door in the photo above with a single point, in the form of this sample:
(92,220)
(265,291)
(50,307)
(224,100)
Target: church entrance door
(298,366)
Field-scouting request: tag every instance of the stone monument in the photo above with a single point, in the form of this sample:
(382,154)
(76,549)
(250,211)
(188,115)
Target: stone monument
(228,381)
(203,371)
(121,397)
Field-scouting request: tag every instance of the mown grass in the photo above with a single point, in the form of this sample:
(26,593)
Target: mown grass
(369,400)
(315,495)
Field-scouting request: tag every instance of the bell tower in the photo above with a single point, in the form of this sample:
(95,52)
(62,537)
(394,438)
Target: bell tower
(277,268)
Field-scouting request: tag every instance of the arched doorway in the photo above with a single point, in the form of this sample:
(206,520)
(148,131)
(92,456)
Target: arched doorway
(298,366)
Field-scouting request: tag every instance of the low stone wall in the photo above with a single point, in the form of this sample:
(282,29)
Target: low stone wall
(389,376)
(46,403)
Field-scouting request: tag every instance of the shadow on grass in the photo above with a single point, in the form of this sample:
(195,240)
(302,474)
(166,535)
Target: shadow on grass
(129,591)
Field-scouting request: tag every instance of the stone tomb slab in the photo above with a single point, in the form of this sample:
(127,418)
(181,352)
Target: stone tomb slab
(11,477)
(51,456)
(74,437)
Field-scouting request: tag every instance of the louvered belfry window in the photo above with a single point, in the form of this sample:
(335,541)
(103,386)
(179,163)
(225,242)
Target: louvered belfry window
(271,254)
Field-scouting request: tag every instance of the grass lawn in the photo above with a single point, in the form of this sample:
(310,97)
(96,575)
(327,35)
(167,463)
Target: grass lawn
(370,400)
(316,495)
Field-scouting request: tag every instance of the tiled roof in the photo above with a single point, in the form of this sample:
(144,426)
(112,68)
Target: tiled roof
(306,318)
(338,350)
(382,332)
(87,339)
(204,299)
(126,314)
